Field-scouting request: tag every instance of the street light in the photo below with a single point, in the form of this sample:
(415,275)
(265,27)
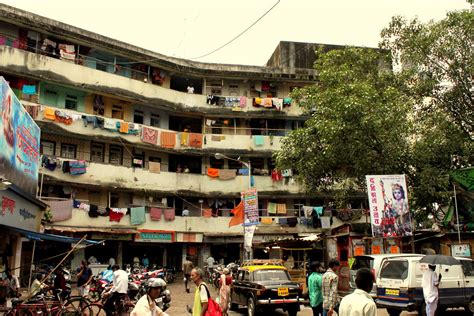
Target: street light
(246,164)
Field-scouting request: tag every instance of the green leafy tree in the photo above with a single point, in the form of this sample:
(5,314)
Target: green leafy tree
(358,124)
(437,64)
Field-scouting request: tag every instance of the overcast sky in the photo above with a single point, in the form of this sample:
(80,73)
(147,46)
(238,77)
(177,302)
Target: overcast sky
(189,29)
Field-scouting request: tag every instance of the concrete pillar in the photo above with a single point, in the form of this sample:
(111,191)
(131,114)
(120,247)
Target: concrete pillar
(291,56)
(165,256)
(119,258)
(16,260)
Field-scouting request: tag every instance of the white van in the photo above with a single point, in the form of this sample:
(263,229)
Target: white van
(399,286)
(373,263)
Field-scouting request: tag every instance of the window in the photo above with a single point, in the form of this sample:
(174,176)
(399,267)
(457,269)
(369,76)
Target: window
(117,112)
(155,159)
(114,199)
(154,120)
(100,66)
(97,152)
(234,164)
(271,275)
(68,151)
(257,163)
(94,197)
(50,97)
(394,270)
(217,163)
(71,102)
(48,148)
(115,155)
(138,117)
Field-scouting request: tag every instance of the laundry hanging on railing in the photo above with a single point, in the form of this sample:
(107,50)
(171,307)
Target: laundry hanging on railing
(116,214)
(77,167)
(155,213)
(61,210)
(67,52)
(169,214)
(227,174)
(195,140)
(149,135)
(137,215)
(168,139)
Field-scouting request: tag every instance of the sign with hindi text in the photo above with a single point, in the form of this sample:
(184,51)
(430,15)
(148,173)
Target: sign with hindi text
(19,142)
(388,202)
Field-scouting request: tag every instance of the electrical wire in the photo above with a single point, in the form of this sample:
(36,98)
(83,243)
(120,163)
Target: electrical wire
(215,50)
(240,34)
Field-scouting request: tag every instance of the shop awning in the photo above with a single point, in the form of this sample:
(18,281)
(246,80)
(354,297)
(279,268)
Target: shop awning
(51,237)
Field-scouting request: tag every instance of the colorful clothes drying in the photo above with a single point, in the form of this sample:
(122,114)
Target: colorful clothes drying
(149,135)
(195,140)
(155,213)
(137,215)
(213,172)
(168,139)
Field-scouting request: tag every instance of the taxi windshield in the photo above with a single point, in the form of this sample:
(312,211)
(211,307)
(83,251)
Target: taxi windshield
(271,275)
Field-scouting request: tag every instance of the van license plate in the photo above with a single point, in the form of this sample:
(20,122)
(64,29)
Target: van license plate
(283,291)
(392,292)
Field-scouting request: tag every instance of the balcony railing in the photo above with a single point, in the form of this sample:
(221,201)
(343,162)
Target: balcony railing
(73,122)
(34,60)
(105,175)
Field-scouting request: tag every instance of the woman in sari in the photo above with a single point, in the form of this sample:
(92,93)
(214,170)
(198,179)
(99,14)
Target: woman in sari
(224,290)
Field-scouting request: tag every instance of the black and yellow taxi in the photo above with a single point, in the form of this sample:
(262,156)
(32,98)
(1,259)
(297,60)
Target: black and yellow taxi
(263,286)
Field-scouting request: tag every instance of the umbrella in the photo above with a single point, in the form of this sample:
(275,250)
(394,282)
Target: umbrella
(440,259)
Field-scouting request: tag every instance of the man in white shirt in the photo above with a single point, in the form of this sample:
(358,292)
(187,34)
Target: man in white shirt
(360,303)
(146,305)
(190,89)
(430,284)
(118,290)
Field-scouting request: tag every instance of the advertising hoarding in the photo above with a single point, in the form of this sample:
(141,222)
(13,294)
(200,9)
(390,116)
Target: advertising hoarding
(19,142)
(388,202)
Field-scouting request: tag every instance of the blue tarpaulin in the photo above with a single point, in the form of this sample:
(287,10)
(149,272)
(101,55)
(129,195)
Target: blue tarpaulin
(51,237)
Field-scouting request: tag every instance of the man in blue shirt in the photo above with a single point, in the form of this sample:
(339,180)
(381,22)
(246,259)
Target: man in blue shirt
(315,281)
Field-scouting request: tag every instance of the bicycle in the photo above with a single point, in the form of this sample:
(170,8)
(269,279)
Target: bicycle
(124,307)
(47,305)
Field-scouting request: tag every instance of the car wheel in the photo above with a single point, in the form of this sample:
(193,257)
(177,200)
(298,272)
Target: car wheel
(251,308)
(393,312)
(470,307)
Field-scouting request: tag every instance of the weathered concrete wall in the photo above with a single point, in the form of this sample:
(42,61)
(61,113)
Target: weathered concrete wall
(41,67)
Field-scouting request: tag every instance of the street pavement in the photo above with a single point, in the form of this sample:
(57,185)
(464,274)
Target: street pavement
(179,300)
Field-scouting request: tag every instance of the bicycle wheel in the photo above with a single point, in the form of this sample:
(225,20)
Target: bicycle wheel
(75,304)
(20,312)
(96,309)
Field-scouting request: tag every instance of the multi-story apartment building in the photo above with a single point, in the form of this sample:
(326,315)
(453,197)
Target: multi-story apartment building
(126,148)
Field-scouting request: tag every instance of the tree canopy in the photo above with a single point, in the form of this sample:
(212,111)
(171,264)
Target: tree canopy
(437,63)
(366,119)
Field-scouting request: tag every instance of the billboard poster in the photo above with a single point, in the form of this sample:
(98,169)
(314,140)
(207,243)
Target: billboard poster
(461,250)
(250,200)
(388,202)
(19,142)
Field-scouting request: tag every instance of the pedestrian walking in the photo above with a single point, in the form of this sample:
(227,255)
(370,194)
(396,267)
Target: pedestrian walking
(360,303)
(329,286)
(224,290)
(84,278)
(315,282)
(187,267)
(430,284)
(200,295)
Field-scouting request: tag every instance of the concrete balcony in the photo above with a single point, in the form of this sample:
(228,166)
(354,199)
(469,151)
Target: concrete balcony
(214,226)
(128,178)
(220,142)
(61,72)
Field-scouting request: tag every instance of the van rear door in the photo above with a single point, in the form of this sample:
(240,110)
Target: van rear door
(360,262)
(393,276)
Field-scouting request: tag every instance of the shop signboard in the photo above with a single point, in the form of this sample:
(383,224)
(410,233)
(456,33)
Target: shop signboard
(19,213)
(111,236)
(19,142)
(160,236)
(388,202)
(461,250)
